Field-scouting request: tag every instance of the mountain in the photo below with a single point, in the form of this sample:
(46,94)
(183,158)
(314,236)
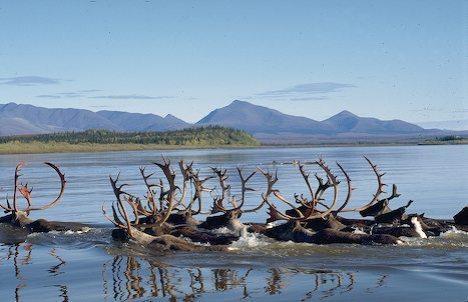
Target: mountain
(267,125)
(346,121)
(28,119)
(176,121)
(143,122)
(258,119)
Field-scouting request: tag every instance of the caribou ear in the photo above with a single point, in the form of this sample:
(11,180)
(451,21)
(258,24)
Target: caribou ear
(422,215)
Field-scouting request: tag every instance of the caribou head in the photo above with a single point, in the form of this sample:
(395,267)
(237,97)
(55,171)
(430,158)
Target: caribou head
(19,216)
(230,215)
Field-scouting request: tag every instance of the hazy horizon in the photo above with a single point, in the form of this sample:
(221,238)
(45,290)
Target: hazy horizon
(393,60)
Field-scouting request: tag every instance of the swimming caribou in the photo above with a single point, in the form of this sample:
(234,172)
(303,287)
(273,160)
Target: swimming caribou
(169,209)
(170,216)
(19,216)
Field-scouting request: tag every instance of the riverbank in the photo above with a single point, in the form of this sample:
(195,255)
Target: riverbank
(443,142)
(60,147)
(37,147)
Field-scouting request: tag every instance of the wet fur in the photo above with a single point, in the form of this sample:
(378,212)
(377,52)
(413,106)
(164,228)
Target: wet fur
(291,231)
(41,225)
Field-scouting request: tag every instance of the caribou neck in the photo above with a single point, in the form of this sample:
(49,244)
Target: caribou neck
(21,219)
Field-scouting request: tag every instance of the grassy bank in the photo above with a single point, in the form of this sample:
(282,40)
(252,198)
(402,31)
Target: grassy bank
(436,142)
(38,147)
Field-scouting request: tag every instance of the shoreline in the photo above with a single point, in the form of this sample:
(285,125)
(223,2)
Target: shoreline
(24,148)
(43,148)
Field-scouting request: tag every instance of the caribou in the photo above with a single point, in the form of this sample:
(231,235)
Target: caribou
(18,216)
(151,225)
(230,217)
(169,215)
(312,225)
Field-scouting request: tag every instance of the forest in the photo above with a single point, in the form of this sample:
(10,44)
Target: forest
(210,135)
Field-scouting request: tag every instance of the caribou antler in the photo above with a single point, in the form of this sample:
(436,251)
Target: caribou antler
(244,187)
(310,213)
(150,192)
(53,202)
(380,189)
(17,176)
(14,206)
(380,184)
(306,175)
(395,193)
(349,188)
(186,172)
(218,200)
(118,192)
(165,167)
(271,180)
(25,191)
(199,188)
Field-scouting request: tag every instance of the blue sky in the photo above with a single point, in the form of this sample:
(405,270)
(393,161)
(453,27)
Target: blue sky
(387,59)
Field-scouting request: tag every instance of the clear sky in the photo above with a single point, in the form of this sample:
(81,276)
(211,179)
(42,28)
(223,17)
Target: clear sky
(387,59)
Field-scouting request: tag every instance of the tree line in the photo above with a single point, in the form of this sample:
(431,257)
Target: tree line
(209,135)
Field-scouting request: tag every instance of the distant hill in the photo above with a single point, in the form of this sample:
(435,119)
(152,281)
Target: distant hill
(18,119)
(28,119)
(267,125)
(258,119)
(143,122)
(346,121)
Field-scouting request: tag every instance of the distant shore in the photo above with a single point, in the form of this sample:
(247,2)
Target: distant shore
(95,140)
(438,142)
(61,147)
(38,148)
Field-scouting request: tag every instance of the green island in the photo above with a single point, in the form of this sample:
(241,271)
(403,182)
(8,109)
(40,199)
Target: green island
(105,140)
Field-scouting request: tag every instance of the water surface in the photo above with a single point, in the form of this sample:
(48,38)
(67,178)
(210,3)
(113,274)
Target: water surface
(90,266)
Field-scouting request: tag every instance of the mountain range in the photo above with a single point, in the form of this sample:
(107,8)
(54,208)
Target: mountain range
(17,119)
(266,124)
(458,125)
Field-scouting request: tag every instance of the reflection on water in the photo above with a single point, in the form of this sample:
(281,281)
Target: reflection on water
(19,256)
(126,277)
(91,267)
(121,273)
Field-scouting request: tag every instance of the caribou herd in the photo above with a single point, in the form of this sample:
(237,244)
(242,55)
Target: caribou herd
(169,216)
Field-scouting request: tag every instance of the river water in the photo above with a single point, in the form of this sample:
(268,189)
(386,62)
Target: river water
(91,266)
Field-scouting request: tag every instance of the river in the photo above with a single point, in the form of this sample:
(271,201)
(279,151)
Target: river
(91,266)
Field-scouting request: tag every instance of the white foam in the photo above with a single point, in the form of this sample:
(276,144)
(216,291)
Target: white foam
(452,231)
(84,230)
(249,240)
